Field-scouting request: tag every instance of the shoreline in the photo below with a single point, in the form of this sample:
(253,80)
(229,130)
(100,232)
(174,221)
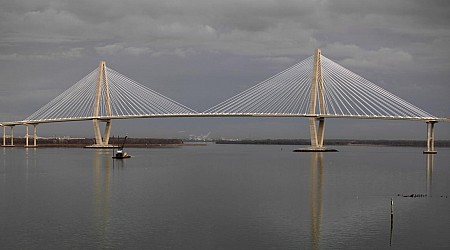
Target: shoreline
(340,142)
(172,143)
(83,142)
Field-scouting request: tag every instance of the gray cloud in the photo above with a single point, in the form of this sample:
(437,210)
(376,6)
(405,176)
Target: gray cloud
(263,27)
(118,49)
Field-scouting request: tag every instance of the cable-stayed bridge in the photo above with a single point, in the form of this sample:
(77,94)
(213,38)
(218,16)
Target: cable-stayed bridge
(316,88)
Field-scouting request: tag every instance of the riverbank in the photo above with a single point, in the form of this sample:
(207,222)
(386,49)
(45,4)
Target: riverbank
(342,142)
(83,142)
(158,142)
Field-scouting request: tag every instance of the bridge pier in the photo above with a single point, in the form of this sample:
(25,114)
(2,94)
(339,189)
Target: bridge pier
(11,137)
(26,135)
(101,141)
(34,135)
(27,144)
(430,138)
(317,135)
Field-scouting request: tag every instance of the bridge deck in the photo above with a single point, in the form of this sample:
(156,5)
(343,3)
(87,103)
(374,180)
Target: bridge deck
(24,122)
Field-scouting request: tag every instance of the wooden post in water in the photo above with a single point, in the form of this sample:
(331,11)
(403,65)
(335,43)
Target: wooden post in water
(392,206)
(392,221)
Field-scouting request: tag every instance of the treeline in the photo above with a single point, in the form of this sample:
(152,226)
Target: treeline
(81,142)
(345,142)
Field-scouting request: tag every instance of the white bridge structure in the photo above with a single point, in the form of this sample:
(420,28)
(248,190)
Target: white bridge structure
(316,88)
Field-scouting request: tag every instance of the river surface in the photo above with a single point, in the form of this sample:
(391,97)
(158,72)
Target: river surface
(224,197)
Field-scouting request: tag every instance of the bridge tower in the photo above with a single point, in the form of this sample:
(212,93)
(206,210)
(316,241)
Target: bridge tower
(317,134)
(102,88)
(316,122)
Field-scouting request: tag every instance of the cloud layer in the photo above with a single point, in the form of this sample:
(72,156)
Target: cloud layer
(250,27)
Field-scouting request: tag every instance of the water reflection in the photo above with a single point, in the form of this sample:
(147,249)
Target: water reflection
(315,201)
(102,187)
(392,222)
(3,170)
(430,163)
(30,153)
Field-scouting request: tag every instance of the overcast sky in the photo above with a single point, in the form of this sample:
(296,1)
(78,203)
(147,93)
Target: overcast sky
(201,52)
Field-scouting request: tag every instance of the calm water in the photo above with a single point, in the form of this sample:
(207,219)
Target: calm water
(224,197)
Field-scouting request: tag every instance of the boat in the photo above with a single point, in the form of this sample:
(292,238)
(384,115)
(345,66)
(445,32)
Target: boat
(121,154)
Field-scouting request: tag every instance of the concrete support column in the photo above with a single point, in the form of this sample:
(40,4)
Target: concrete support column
(430,138)
(34,135)
(101,140)
(321,132)
(12,136)
(26,135)
(107,132)
(97,133)
(4,136)
(313,132)
(317,133)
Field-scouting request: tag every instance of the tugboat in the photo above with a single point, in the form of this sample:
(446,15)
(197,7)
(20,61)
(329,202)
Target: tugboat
(120,154)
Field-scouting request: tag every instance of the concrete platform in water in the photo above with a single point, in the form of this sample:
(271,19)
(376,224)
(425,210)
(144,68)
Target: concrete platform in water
(101,146)
(315,150)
